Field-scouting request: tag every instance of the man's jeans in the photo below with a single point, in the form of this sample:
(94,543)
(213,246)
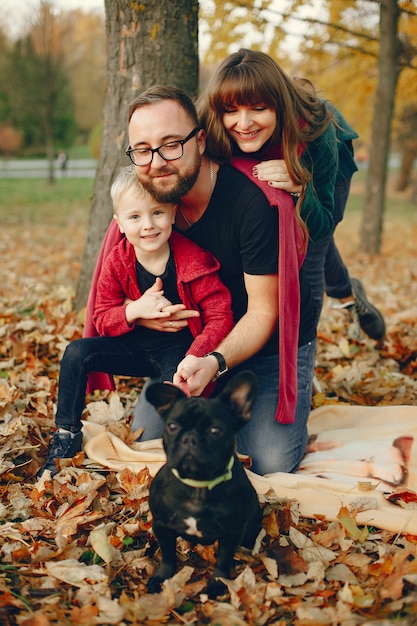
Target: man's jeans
(273,447)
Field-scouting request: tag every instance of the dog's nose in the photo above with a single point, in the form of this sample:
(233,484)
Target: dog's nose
(189,439)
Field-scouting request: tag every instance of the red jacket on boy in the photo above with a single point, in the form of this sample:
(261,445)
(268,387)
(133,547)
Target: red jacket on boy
(199,288)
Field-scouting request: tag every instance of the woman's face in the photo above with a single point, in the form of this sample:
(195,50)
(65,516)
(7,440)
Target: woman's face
(250,126)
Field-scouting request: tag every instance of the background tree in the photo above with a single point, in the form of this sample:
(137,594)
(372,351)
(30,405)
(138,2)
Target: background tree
(389,70)
(79,44)
(37,89)
(84,52)
(231,24)
(4,55)
(407,139)
(405,119)
(150,43)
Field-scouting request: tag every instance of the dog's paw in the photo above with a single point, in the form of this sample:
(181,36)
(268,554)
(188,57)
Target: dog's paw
(216,588)
(155,583)
(164,571)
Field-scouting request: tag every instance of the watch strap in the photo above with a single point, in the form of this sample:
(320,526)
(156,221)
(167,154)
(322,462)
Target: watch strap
(222,365)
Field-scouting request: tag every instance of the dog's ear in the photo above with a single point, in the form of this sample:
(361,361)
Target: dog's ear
(163,395)
(240,394)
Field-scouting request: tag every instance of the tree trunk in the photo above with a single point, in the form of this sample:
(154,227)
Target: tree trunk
(389,68)
(50,159)
(406,170)
(151,42)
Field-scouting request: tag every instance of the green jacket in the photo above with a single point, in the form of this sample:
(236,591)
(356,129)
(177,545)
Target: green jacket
(321,158)
(330,158)
(345,135)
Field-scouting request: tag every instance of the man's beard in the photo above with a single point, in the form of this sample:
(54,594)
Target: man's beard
(183,185)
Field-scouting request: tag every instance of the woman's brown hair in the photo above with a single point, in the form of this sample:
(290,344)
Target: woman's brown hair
(249,77)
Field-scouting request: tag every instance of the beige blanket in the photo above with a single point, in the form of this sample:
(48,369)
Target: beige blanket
(355,458)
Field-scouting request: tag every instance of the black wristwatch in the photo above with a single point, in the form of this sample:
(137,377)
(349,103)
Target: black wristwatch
(222,365)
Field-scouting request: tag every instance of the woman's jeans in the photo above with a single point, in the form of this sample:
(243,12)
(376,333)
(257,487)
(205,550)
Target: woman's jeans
(274,447)
(113,355)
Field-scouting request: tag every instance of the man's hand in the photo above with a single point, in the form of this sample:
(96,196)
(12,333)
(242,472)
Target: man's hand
(196,371)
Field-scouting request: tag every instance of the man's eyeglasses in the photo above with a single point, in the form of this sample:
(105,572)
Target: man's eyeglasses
(168,151)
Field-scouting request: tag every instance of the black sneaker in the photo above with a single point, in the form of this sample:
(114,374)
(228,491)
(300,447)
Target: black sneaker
(64,446)
(370,319)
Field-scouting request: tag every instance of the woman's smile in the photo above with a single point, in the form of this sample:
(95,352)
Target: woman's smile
(250,126)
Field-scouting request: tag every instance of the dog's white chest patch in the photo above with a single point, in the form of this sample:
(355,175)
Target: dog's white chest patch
(191,527)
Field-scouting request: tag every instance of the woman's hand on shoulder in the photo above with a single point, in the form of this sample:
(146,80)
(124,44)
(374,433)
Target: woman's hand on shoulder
(276,174)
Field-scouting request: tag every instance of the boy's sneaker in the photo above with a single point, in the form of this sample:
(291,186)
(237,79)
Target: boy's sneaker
(65,445)
(370,319)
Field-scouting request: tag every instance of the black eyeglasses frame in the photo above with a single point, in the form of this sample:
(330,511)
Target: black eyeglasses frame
(152,151)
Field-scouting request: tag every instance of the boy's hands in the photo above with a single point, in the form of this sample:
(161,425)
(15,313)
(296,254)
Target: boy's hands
(152,310)
(150,305)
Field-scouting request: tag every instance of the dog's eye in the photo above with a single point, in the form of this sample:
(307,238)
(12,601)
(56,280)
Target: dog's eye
(215,431)
(172,427)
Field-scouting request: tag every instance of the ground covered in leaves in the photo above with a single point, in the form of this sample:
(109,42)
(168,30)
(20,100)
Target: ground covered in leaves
(80,550)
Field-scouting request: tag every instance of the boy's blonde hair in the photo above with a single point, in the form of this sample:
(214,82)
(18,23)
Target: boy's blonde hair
(127,180)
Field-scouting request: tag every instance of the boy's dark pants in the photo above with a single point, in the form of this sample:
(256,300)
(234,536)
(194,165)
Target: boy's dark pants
(123,356)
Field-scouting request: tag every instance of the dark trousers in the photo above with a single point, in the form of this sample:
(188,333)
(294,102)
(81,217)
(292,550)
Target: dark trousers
(323,264)
(121,356)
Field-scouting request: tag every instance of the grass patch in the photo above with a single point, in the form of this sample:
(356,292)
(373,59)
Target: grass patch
(397,207)
(80,151)
(36,201)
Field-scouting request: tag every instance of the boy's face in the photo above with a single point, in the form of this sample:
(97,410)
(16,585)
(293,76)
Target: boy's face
(146,223)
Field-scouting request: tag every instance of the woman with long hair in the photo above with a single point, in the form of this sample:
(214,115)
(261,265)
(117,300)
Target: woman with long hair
(252,107)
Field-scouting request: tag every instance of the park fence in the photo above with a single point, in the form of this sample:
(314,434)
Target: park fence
(39,168)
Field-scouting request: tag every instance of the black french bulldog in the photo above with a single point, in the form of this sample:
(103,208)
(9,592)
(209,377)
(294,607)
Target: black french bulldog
(202,493)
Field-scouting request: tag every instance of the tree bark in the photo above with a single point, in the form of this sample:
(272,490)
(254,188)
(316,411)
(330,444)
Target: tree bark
(406,170)
(149,42)
(389,69)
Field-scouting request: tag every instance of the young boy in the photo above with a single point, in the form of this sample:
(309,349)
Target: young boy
(151,268)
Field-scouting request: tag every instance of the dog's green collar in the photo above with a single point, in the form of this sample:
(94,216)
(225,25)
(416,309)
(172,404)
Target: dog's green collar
(208,484)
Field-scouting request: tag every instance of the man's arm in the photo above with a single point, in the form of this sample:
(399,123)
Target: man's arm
(248,336)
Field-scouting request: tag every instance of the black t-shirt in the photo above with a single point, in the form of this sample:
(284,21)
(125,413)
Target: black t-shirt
(240,228)
(149,338)
(169,280)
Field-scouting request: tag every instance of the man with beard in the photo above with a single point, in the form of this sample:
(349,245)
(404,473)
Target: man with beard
(224,212)
(193,180)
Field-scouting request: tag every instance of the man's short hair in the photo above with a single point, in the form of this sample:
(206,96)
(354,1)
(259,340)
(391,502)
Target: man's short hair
(159,93)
